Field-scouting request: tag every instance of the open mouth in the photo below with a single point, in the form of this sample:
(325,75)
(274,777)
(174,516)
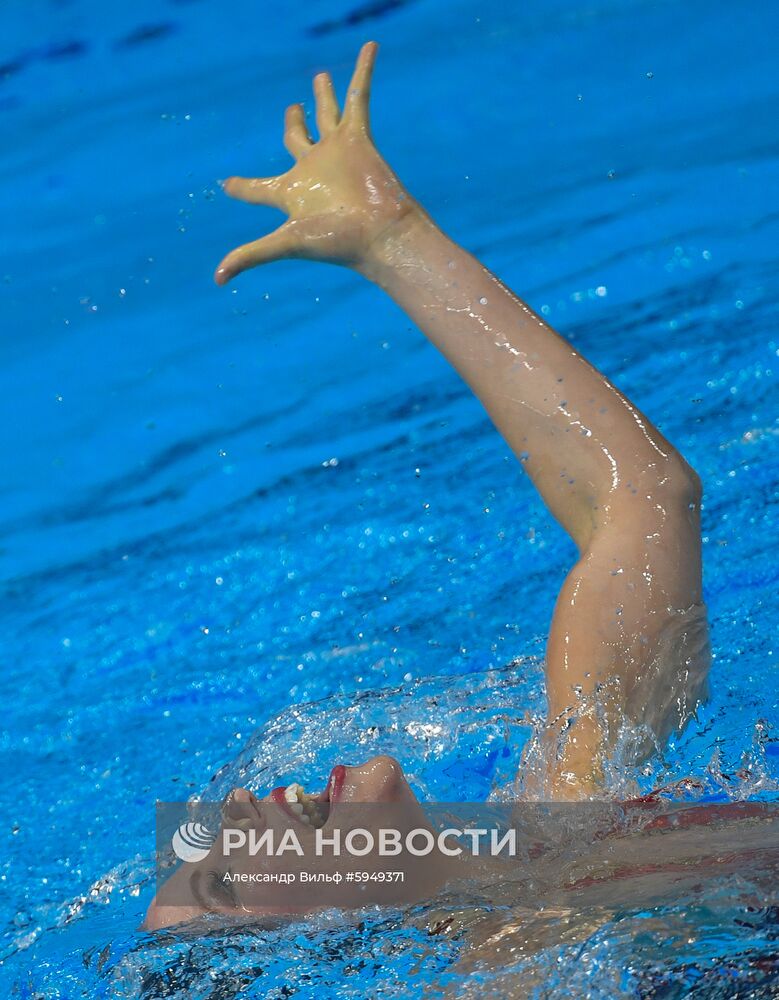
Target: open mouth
(311,810)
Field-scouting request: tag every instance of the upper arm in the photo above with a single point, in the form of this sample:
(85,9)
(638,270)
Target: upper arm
(608,661)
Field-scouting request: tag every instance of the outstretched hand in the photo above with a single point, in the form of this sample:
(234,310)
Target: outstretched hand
(340,195)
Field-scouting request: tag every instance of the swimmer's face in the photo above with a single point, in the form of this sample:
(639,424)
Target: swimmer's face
(368,796)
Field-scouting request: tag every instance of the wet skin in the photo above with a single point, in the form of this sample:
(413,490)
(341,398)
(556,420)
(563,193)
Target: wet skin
(628,640)
(627,498)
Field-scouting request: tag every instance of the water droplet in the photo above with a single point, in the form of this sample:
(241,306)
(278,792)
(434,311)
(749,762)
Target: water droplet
(483,300)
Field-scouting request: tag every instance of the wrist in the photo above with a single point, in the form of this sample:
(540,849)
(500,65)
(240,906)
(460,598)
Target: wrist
(396,244)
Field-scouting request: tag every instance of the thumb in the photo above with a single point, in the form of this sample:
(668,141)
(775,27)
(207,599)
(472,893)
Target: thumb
(275,246)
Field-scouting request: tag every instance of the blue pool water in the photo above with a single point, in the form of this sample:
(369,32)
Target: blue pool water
(222,505)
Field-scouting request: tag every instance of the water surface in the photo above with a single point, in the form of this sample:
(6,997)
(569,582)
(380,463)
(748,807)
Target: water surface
(221,505)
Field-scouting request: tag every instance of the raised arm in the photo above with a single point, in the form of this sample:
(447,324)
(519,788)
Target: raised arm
(623,493)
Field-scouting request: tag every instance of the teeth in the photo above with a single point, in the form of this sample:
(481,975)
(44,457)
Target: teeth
(305,806)
(291,793)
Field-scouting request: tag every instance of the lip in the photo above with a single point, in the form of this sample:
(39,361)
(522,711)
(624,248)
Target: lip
(277,797)
(332,794)
(335,784)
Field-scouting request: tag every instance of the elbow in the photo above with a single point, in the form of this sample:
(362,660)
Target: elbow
(683,482)
(696,487)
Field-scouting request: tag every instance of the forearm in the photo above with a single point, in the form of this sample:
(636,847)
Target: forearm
(584,445)
(586,448)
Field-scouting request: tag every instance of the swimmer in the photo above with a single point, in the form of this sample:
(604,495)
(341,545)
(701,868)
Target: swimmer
(628,641)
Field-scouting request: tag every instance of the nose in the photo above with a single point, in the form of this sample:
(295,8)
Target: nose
(386,765)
